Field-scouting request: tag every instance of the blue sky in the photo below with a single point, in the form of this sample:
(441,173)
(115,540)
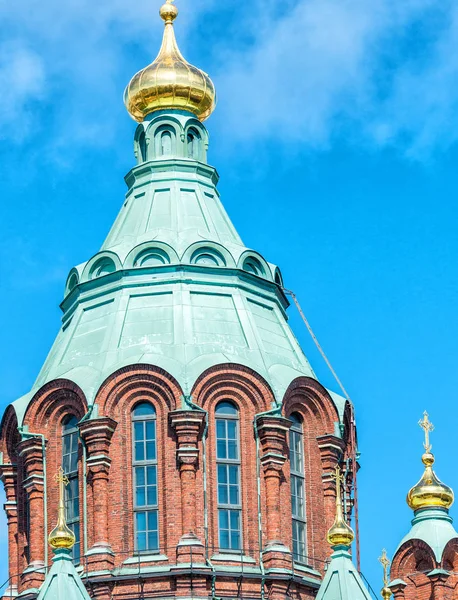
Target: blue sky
(335,138)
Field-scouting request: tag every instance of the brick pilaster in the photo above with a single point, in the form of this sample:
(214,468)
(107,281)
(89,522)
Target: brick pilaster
(8,475)
(439,580)
(273,437)
(97,435)
(188,426)
(31,453)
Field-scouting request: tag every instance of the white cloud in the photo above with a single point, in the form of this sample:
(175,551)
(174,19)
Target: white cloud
(374,71)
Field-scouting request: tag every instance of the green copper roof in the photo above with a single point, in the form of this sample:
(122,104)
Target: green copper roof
(62,581)
(173,284)
(434,526)
(342,580)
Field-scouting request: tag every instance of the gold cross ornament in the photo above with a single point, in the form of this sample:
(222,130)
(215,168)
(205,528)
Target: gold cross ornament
(385,562)
(339,479)
(428,427)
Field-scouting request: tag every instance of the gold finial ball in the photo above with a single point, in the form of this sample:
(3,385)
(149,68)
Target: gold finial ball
(428,459)
(168,12)
(386,593)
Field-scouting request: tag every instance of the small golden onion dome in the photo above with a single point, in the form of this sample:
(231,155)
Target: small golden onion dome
(61,536)
(386,593)
(340,534)
(430,492)
(170,82)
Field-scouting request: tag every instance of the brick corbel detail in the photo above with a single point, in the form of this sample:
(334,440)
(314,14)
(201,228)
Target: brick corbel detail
(8,475)
(398,588)
(441,590)
(331,451)
(97,435)
(273,438)
(31,453)
(188,426)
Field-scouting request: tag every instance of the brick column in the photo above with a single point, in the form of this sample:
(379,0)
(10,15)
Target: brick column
(188,426)
(331,450)
(31,452)
(273,437)
(441,590)
(97,434)
(8,475)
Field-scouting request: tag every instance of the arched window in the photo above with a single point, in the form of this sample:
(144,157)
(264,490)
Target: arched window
(193,142)
(296,453)
(166,143)
(144,452)
(228,476)
(142,145)
(70,452)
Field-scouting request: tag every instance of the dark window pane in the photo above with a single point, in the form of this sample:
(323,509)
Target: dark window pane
(152,495)
(141,542)
(139,451)
(220,429)
(222,474)
(235,520)
(224,519)
(141,521)
(138,431)
(232,450)
(140,475)
(234,494)
(150,430)
(153,543)
(226,408)
(140,497)
(232,430)
(221,449)
(222,494)
(151,475)
(150,450)
(233,474)
(152,520)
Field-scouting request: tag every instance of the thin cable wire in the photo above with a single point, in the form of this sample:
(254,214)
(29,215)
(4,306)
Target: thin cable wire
(352,418)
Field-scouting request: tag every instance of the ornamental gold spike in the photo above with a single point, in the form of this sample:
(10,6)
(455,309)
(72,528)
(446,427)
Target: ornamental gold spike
(429,492)
(340,534)
(385,562)
(61,537)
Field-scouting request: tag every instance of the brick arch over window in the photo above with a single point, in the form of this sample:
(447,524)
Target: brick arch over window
(251,395)
(117,398)
(411,563)
(449,560)
(137,381)
(309,400)
(9,436)
(52,403)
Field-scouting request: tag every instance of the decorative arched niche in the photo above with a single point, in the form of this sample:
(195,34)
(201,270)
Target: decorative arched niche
(104,266)
(254,263)
(72,281)
(208,254)
(152,257)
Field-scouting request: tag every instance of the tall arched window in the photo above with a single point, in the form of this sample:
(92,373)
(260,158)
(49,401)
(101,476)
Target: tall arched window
(144,452)
(193,141)
(166,143)
(142,145)
(228,476)
(296,450)
(70,451)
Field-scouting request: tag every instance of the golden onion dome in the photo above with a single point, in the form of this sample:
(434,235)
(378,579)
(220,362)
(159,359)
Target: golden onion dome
(170,82)
(430,492)
(340,534)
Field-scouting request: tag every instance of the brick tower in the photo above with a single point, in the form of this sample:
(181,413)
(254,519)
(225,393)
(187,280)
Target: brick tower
(425,565)
(198,443)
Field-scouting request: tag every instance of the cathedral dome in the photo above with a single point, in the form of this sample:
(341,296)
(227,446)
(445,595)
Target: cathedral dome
(170,82)
(430,492)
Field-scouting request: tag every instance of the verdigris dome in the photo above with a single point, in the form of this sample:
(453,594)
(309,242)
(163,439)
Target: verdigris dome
(170,82)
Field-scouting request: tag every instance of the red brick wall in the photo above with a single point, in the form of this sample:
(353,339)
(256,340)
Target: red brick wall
(116,399)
